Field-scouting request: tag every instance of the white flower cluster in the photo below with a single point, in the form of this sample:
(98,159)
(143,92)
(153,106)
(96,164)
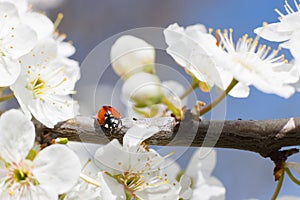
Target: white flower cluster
(211,61)
(218,60)
(35,65)
(135,171)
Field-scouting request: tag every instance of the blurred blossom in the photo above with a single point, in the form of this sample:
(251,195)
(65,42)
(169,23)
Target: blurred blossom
(130,55)
(143,89)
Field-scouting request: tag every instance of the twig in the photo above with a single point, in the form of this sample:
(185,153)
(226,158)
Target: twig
(264,136)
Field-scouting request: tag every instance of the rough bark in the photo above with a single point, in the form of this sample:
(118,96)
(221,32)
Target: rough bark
(261,136)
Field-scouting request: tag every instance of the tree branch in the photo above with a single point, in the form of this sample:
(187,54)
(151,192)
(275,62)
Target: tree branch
(263,136)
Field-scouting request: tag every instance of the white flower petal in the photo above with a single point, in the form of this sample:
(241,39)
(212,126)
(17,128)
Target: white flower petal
(32,192)
(194,30)
(9,71)
(50,114)
(270,32)
(212,189)
(10,18)
(204,161)
(112,157)
(17,135)
(294,44)
(115,159)
(110,188)
(173,33)
(66,49)
(290,22)
(52,168)
(164,191)
(42,25)
(21,5)
(43,52)
(171,169)
(71,71)
(39,192)
(240,91)
(137,134)
(21,40)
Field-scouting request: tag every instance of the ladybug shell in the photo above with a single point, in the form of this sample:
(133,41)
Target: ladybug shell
(109,119)
(107,112)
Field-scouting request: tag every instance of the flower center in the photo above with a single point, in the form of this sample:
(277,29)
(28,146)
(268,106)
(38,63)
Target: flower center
(20,175)
(131,181)
(37,86)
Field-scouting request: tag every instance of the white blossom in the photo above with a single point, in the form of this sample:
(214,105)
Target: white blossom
(219,60)
(44,177)
(133,169)
(130,54)
(196,50)
(254,64)
(45,83)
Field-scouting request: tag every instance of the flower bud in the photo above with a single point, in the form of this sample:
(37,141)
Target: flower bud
(130,55)
(143,89)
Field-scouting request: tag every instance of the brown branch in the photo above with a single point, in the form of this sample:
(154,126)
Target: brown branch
(263,136)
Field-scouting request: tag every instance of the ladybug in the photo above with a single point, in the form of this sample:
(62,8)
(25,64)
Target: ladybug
(109,119)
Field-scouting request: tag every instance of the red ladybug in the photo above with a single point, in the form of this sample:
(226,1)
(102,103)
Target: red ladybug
(109,119)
